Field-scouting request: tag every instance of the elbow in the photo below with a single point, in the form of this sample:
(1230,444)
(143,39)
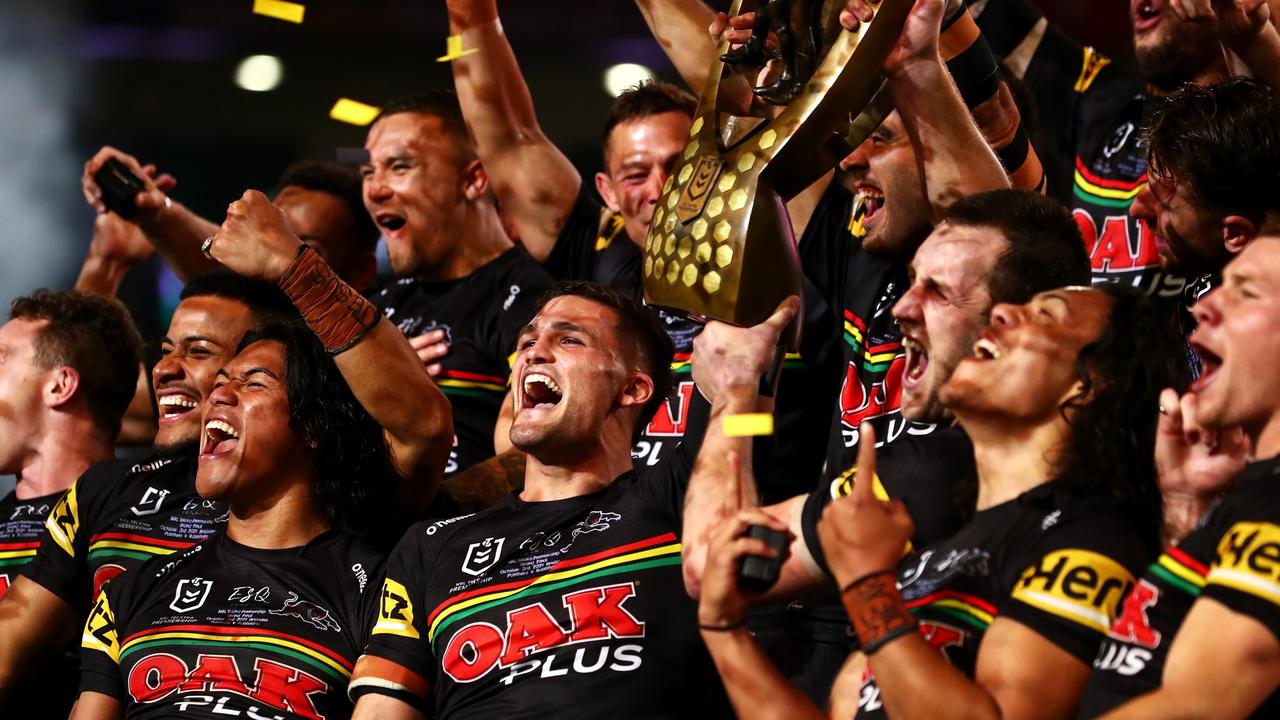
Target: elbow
(692,566)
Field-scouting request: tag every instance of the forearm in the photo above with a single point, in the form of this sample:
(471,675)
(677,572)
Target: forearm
(1262,55)
(755,687)
(177,234)
(680,27)
(482,485)
(101,276)
(956,160)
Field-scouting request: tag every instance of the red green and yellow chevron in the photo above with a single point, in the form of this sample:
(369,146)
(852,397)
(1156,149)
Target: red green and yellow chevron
(229,638)
(17,553)
(875,358)
(1107,193)
(971,610)
(469,384)
(1180,570)
(137,547)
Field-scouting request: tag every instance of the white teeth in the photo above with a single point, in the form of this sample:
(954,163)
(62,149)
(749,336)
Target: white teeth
(221,427)
(985,349)
(532,378)
(177,401)
(912,344)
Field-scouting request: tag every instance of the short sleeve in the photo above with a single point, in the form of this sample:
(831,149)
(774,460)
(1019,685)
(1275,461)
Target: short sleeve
(368,608)
(398,660)
(100,643)
(61,564)
(588,225)
(1072,581)
(1244,572)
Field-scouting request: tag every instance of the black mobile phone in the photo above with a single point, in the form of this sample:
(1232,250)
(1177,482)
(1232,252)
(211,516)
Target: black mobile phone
(120,187)
(755,573)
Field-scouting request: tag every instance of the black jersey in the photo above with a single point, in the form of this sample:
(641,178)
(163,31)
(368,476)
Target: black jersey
(594,245)
(21,522)
(481,315)
(526,609)
(1056,562)
(1229,557)
(224,630)
(119,514)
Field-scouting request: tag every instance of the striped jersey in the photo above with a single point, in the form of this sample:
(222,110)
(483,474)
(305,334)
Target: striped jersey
(529,608)
(1056,562)
(119,514)
(1232,556)
(21,522)
(225,630)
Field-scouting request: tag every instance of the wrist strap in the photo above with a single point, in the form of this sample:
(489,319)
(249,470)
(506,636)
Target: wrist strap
(335,312)
(875,606)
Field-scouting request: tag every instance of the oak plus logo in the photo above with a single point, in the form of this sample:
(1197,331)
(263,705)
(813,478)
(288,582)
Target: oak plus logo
(482,555)
(190,594)
(162,676)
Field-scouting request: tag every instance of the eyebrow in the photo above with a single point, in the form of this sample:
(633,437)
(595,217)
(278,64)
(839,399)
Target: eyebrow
(222,372)
(190,339)
(559,325)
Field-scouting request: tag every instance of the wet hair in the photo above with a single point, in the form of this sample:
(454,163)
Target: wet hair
(652,349)
(1223,142)
(265,300)
(342,182)
(355,475)
(437,103)
(94,336)
(1111,450)
(646,100)
(1043,248)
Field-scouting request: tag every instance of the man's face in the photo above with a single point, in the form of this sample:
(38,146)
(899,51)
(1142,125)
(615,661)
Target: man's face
(324,222)
(1238,339)
(640,155)
(1189,238)
(1023,367)
(22,383)
(570,374)
(413,188)
(247,448)
(943,311)
(886,179)
(202,337)
(1170,51)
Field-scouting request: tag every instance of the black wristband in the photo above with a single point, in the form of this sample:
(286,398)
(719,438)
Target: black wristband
(881,641)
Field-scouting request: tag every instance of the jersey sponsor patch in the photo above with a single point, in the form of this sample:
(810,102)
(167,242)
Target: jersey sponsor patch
(1093,63)
(160,675)
(395,612)
(64,521)
(100,630)
(1249,560)
(1082,586)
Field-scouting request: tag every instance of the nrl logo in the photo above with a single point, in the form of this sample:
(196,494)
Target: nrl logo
(190,594)
(150,502)
(482,555)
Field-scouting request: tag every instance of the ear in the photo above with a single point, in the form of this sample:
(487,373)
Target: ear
(60,386)
(1237,231)
(604,186)
(475,181)
(638,390)
(1071,397)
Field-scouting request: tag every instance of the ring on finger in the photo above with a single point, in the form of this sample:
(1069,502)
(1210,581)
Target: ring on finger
(206,246)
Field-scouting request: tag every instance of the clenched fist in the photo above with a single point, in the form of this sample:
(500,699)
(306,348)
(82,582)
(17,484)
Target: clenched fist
(255,240)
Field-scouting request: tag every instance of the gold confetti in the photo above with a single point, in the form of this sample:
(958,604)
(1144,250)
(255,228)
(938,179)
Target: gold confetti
(280,10)
(453,49)
(354,112)
(748,425)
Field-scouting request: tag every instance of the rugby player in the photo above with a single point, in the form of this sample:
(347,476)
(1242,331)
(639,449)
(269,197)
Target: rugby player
(1002,619)
(266,616)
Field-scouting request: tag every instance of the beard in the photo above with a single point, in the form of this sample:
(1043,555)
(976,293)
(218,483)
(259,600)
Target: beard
(1186,50)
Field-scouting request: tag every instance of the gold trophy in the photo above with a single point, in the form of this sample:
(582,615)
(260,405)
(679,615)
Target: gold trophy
(720,244)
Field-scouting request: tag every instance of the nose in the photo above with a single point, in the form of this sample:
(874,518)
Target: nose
(1143,206)
(223,395)
(168,369)
(908,306)
(858,160)
(1206,310)
(375,187)
(1006,315)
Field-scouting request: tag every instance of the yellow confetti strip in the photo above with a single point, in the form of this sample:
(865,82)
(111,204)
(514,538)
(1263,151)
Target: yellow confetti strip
(280,10)
(453,49)
(748,424)
(354,112)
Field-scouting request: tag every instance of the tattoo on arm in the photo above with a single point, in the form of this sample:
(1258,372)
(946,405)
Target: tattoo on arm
(876,608)
(484,484)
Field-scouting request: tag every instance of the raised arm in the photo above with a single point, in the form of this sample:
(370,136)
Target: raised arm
(680,27)
(535,183)
(374,357)
(175,231)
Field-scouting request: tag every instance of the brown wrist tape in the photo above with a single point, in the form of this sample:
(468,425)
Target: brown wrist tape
(876,608)
(335,312)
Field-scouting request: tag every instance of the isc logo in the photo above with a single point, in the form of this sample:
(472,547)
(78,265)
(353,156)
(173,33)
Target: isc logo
(1077,585)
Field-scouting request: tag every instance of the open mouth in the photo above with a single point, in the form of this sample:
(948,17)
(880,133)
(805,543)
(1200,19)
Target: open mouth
(220,438)
(540,392)
(986,349)
(1146,14)
(389,221)
(174,405)
(917,361)
(868,201)
(1210,363)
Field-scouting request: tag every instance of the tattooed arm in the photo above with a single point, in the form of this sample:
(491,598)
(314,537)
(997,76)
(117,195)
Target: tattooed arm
(483,484)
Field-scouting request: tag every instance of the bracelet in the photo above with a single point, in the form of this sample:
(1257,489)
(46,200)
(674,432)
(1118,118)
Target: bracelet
(723,628)
(338,315)
(876,609)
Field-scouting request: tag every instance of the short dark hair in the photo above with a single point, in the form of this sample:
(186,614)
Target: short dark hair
(342,182)
(437,103)
(355,473)
(93,335)
(1223,141)
(1111,450)
(265,300)
(646,100)
(1043,250)
(653,348)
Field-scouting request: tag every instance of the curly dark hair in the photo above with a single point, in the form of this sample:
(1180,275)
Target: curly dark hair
(265,300)
(653,350)
(1111,452)
(438,103)
(96,337)
(354,470)
(342,182)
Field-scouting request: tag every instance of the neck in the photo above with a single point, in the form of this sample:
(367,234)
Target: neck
(474,240)
(61,456)
(1012,458)
(290,519)
(1265,440)
(585,471)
